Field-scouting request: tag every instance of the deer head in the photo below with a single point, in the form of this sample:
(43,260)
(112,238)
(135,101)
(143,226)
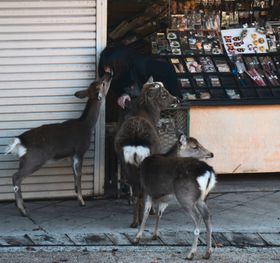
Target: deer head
(190,147)
(97,89)
(154,93)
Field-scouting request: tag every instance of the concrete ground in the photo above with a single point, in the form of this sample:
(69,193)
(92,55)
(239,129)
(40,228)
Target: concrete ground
(245,214)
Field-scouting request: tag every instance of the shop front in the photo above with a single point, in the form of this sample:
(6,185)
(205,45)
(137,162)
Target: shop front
(226,55)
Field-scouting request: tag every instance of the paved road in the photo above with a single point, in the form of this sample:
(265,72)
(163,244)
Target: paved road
(137,255)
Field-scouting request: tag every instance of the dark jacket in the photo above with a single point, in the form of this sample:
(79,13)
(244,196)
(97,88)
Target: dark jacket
(140,69)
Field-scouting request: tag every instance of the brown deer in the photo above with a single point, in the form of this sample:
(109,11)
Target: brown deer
(178,174)
(138,138)
(55,141)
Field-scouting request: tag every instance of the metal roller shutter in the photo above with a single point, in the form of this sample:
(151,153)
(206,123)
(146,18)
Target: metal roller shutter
(48,50)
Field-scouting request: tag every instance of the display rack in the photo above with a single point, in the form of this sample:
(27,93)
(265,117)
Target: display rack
(210,75)
(226,88)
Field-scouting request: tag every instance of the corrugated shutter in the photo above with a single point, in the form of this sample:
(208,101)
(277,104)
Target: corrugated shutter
(47,52)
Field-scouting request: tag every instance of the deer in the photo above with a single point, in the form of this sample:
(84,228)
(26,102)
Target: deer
(138,137)
(179,173)
(55,141)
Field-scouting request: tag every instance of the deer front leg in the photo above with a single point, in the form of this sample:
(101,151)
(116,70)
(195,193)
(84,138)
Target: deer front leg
(77,163)
(148,205)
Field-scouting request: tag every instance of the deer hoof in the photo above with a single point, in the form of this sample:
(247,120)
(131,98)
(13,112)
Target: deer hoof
(82,203)
(154,237)
(190,256)
(134,225)
(22,211)
(207,255)
(136,241)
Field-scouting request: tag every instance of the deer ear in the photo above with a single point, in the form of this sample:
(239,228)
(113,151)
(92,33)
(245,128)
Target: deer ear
(81,94)
(150,80)
(182,139)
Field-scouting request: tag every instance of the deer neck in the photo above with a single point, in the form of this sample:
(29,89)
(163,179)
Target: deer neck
(152,112)
(91,112)
(173,151)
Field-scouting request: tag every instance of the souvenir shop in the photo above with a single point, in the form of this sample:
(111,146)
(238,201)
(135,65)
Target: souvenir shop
(226,56)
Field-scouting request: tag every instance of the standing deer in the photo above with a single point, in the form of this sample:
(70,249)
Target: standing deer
(137,137)
(189,179)
(55,141)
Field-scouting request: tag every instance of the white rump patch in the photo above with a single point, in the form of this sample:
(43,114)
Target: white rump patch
(203,181)
(135,154)
(16,148)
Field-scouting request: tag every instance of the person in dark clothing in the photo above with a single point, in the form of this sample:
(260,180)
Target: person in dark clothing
(131,70)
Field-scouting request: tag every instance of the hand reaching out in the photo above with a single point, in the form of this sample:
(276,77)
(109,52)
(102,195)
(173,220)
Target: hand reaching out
(122,99)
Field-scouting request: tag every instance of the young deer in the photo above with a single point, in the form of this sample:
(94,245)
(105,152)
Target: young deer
(55,141)
(189,179)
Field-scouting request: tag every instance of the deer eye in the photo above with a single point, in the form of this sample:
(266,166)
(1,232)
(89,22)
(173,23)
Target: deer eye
(164,95)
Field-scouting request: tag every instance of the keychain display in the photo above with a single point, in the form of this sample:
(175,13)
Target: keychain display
(204,42)
(236,41)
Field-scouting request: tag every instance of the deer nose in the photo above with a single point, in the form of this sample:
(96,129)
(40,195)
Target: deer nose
(211,155)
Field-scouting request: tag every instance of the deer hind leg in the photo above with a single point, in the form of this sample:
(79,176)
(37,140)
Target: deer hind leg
(161,207)
(27,166)
(17,180)
(187,199)
(138,209)
(77,163)
(204,211)
(148,205)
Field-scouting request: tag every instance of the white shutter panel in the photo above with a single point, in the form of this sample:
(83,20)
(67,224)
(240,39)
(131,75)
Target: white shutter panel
(47,52)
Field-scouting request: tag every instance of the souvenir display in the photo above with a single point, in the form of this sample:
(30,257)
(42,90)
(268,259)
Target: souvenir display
(200,81)
(207,64)
(185,83)
(202,42)
(189,42)
(188,95)
(195,20)
(232,94)
(178,66)
(221,64)
(215,81)
(192,65)
(269,70)
(159,44)
(244,41)
(273,36)
(204,95)
(229,61)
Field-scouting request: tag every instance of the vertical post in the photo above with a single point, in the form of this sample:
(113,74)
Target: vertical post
(99,155)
